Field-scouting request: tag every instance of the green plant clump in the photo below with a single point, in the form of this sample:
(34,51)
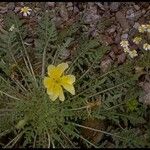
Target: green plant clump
(28,118)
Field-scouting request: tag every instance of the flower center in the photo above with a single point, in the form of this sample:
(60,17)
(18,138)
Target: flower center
(25,9)
(57,81)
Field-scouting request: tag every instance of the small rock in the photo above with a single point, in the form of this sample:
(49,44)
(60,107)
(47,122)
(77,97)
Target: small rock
(112,55)
(90,4)
(106,5)
(3,10)
(69,4)
(17,9)
(120,17)
(75,9)
(121,58)
(117,38)
(70,8)
(145,97)
(136,25)
(106,64)
(138,14)
(130,11)
(100,5)
(136,7)
(91,17)
(11,6)
(131,22)
(115,48)
(132,32)
(112,29)
(130,14)
(29,40)
(124,36)
(108,40)
(145,86)
(143,11)
(114,6)
(51,4)
(64,54)
(22,3)
(63,12)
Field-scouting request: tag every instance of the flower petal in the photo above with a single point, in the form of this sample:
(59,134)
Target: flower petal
(56,72)
(29,13)
(55,92)
(69,88)
(68,79)
(61,68)
(50,70)
(48,82)
(25,14)
(61,95)
(53,97)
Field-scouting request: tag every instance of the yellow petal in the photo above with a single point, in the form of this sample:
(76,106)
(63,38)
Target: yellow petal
(56,72)
(68,79)
(61,95)
(61,68)
(69,88)
(53,97)
(48,82)
(55,92)
(50,69)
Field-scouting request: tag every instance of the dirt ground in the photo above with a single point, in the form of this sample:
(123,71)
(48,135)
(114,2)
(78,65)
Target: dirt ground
(109,21)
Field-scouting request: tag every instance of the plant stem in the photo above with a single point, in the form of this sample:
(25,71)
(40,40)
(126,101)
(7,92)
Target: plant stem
(85,127)
(9,95)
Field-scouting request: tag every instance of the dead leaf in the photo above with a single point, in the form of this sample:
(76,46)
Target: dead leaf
(91,135)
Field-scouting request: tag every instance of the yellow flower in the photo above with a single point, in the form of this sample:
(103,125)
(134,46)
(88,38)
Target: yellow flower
(142,28)
(137,40)
(133,53)
(56,80)
(146,46)
(124,43)
(25,11)
(126,49)
(148,28)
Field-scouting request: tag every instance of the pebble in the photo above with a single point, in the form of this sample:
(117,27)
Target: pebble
(114,6)
(64,54)
(106,64)
(63,12)
(124,36)
(75,9)
(130,14)
(111,29)
(121,58)
(117,38)
(120,17)
(69,4)
(51,4)
(3,10)
(100,5)
(136,7)
(11,6)
(136,25)
(17,9)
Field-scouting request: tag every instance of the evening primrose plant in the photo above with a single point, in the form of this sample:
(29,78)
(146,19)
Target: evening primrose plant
(45,97)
